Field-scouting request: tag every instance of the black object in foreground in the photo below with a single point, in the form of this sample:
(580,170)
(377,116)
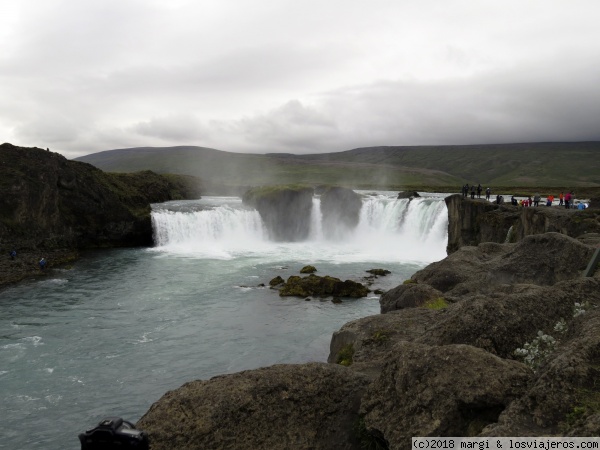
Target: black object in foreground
(114,433)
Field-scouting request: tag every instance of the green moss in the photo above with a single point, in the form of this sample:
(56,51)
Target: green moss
(380,336)
(588,404)
(308,269)
(436,303)
(379,272)
(345,355)
(409,281)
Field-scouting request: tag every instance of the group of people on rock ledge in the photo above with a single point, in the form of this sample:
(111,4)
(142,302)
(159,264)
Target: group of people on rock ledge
(567,200)
(473,189)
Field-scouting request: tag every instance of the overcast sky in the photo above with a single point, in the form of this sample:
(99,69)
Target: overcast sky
(300,76)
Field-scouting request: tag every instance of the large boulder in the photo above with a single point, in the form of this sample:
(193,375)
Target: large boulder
(451,390)
(505,320)
(369,339)
(340,210)
(408,295)
(285,210)
(308,406)
(538,259)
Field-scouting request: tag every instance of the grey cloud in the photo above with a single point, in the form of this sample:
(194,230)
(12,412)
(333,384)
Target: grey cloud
(297,77)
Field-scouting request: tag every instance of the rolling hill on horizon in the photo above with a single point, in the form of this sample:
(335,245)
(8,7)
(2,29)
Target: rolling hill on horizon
(560,164)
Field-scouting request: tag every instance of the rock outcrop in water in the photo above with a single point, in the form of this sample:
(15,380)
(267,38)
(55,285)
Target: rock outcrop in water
(51,206)
(442,360)
(340,209)
(314,285)
(285,210)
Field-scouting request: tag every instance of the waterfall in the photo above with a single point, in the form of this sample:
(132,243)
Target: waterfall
(216,231)
(388,229)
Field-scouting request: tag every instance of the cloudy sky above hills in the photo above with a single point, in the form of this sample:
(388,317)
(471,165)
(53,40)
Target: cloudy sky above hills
(296,76)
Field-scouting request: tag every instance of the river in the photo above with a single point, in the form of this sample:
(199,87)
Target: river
(112,334)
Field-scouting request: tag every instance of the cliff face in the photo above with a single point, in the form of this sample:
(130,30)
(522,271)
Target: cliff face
(471,222)
(50,202)
(285,210)
(340,208)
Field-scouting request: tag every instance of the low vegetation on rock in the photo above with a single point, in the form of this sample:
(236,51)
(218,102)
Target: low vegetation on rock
(314,285)
(379,272)
(308,269)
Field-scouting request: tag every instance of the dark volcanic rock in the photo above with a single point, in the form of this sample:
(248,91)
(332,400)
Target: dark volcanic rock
(276,281)
(564,397)
(308,269)
(452,390)
(379,272)
(322,286)
(538,259)
(50,203)
(284,406)
(505,320)
(285,210)
(371,338)
(408,194)
(408,296)
(340,209)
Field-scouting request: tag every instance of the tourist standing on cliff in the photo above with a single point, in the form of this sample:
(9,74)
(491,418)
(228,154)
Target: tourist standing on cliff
(560,199)
(479,189)
(488,193)
(567,200)
(473,192)
(536,200)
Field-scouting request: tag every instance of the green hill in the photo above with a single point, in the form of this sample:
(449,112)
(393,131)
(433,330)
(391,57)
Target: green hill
(562,164)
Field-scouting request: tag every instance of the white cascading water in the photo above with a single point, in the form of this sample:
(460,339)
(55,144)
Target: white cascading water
(216,232)
(389,229)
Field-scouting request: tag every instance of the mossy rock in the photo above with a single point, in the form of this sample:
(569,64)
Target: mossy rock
(436,303)
(276,281)
(345,355)
(314,285)
(308,269)
(379,272)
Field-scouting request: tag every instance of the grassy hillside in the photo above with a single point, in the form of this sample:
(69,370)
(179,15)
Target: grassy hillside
(220,168)
(533,164)
(569,165)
